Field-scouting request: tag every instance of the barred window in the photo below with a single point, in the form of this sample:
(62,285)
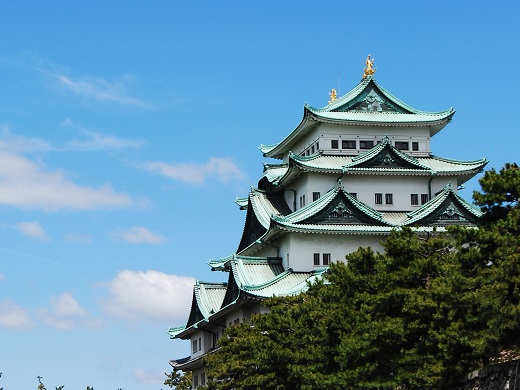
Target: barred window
(402,145)
(424,198)
(389,198)
(379,198)
(348,144)
(334,144)
(366,144)
(326,259)
(414,199)
(316,259)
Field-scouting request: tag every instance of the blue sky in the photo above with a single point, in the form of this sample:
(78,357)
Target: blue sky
(127,130)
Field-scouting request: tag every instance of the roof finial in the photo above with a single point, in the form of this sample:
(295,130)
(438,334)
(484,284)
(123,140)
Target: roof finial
(369,71)
(332,95)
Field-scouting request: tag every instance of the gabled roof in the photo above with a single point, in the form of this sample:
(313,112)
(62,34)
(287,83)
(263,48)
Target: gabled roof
(383,158)
(249,278)
(261,205)
(261,277)
(337,212)
(445,209)
(335,207)
(367,104)
(207,299)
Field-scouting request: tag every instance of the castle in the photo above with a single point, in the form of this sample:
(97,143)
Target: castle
(349,174)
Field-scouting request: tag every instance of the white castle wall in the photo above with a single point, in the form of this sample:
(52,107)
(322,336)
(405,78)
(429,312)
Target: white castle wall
(297,250)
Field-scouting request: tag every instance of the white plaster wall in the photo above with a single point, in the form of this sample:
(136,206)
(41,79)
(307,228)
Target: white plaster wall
(195,337)
(308,183)
(297,249)
(366,186)
(324,132)
(439,182)
(234,315)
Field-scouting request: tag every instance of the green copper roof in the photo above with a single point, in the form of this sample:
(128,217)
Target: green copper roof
(337,212)
(335,201)
(382,159)
(366,104)
(264,277)
(447,207)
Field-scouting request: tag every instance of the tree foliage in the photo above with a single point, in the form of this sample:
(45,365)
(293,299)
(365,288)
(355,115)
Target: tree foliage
(428,309)
(178,380)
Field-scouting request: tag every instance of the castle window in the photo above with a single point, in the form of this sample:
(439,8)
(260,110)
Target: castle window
(316,259)
(315,196)
(302,201)
(317,146)
(326,259)
(414,199)
(312,149)
(389,198)
(215,339)
(345,144)
(379,199)
(415,145)
(202,379)
(366,144)
(200,344)
(402,145)
(194,349)
(424,198)
(334,144)
(195,380)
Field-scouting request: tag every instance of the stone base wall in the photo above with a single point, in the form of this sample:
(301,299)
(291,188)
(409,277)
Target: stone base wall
(502,376)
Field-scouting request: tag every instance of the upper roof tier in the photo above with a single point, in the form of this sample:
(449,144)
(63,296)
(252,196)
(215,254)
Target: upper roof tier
(369,105)
(382,159)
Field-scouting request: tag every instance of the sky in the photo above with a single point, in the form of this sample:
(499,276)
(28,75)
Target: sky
(128,129)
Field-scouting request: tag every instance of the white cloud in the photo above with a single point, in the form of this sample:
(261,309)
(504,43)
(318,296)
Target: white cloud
(149,296)
(33,230)
(138,235)
(98,89)
(65,313)
(101,142)
(149,377)
(92,142)
(14,317)
(221,169)
(25,184)
(16,143)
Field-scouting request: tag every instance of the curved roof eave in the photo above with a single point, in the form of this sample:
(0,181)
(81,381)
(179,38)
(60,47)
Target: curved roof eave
(277,150)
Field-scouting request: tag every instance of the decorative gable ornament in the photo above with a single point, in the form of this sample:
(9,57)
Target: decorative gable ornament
(373,101)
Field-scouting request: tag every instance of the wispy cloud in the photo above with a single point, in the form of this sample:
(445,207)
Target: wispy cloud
(150,296)
(102,142)
(25,184)
(14,317)
(20,144)
(65,313)
(218,168)
(90,142)
(138,235)
(33,230)
(98,89)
